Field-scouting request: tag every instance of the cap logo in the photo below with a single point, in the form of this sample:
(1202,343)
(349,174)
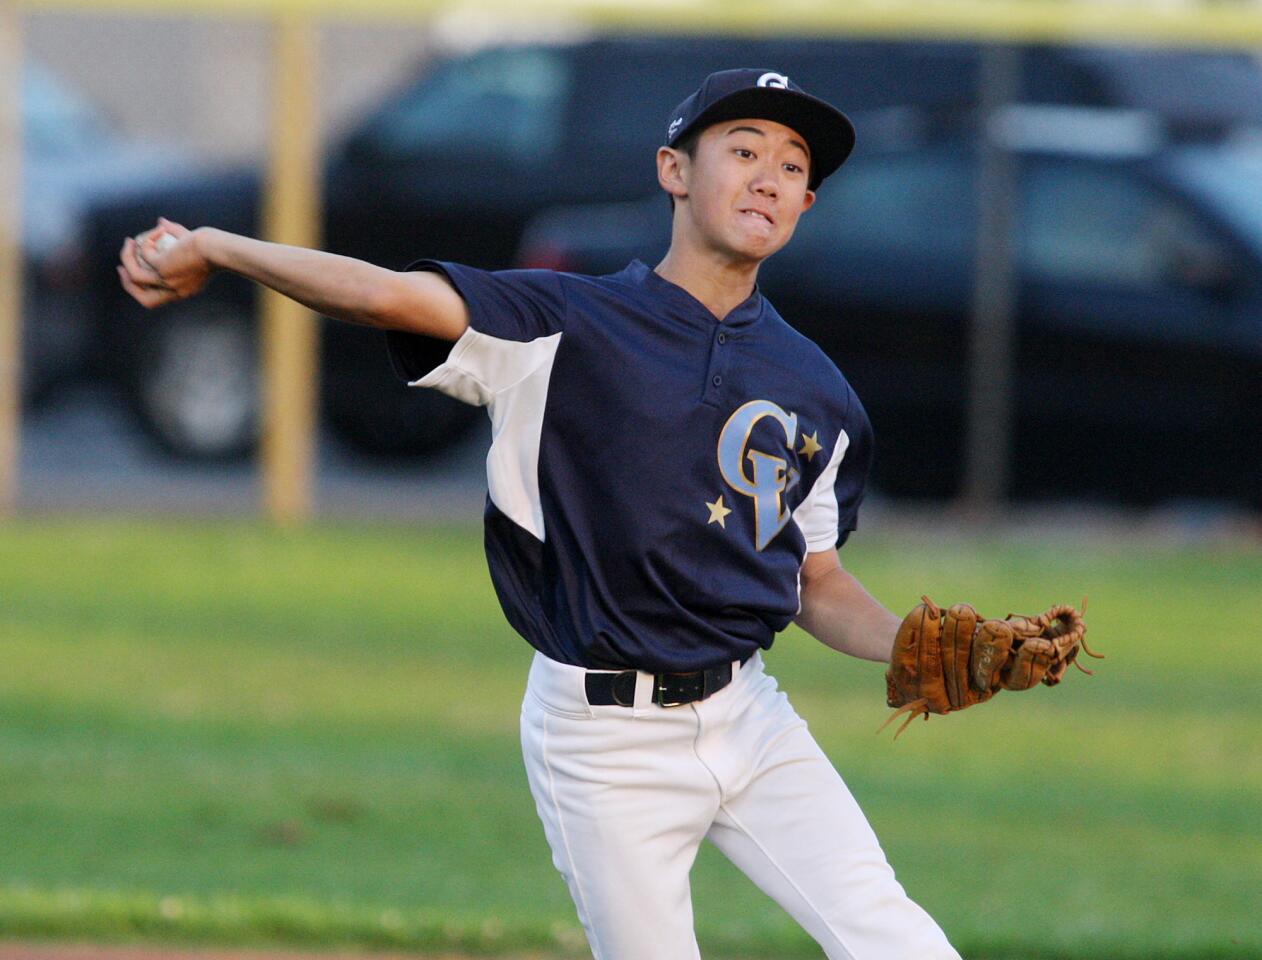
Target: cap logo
(778,80)
(674,125)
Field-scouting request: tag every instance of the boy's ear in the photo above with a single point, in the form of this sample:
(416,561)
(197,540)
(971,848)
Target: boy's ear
(672,171)
(808,201)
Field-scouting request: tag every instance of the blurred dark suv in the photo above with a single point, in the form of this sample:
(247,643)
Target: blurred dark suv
(456,163)
(73,160)
(1138,318)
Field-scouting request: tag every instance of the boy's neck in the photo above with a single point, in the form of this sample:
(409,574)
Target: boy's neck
(720,284)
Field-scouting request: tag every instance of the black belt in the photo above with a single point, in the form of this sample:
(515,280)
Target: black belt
(606,688)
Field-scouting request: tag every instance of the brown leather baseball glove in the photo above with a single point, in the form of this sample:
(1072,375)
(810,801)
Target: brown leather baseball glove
(952,659)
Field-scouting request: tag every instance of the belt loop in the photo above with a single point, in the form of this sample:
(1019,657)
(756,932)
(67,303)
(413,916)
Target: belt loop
(643,694)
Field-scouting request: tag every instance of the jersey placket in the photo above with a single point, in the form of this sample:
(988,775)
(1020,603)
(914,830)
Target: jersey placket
(715,386)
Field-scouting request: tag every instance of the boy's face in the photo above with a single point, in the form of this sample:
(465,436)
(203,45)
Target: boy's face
(745,187)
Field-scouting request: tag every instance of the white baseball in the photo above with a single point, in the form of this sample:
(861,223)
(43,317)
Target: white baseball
(165,242)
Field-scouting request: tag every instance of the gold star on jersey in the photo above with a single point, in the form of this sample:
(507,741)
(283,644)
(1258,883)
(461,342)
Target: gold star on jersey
(718,513)
(810,445)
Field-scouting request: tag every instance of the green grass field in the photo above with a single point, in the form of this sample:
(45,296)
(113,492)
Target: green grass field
(224,734)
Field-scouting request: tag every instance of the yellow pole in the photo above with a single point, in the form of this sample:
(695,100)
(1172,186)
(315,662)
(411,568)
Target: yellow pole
(10,251)
(290,331)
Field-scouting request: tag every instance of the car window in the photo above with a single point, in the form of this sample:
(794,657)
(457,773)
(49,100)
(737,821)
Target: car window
(57,122)
(909,205)
(500,103)
(1083,224)
(630,105)
(628,88)
(1228,176)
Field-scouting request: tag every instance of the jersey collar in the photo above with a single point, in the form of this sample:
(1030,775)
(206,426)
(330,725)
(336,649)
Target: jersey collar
(743,314)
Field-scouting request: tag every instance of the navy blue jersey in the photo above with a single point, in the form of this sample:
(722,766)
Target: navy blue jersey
(656,476)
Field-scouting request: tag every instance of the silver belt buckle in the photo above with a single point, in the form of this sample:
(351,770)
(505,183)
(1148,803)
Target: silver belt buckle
(659,696)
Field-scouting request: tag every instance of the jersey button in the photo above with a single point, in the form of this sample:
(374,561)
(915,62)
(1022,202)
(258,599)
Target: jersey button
(717,381)
(722,338)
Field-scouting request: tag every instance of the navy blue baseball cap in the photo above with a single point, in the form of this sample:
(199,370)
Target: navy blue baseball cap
(768,95)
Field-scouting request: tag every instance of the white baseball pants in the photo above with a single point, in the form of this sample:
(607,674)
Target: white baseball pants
(627,794)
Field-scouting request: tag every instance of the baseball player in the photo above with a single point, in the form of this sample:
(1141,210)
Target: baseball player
(672,470)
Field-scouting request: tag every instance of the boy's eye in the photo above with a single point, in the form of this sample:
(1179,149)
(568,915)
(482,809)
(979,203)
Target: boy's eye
(743,152)
(793,168)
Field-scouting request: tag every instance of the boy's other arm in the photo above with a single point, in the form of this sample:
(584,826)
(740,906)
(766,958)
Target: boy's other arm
(840,613)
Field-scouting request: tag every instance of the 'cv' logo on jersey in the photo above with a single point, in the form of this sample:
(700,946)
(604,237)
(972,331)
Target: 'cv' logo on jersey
(764,477)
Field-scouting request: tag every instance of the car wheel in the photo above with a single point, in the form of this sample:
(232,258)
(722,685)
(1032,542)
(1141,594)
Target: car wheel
(196,382)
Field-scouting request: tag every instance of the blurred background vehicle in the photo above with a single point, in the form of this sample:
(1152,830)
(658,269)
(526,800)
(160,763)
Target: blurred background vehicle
(74,158)
(1139,307)
(458,161)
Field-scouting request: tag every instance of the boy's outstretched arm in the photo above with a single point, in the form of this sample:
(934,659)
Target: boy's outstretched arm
(171,262)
